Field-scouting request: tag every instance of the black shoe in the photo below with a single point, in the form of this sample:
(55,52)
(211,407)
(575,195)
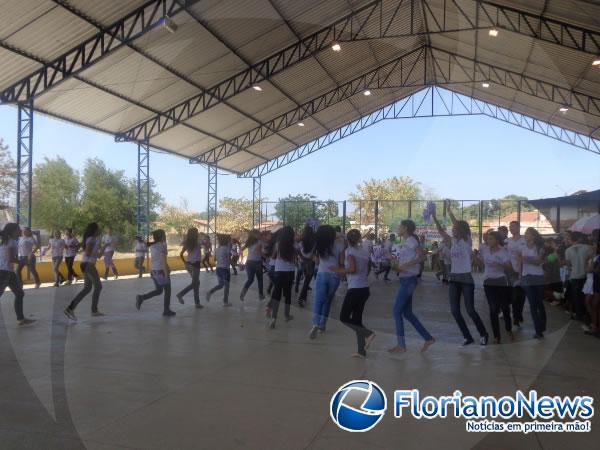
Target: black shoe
(288,318)
(483,340)
(538,336)
(138,302)
(467,342)
(169,313)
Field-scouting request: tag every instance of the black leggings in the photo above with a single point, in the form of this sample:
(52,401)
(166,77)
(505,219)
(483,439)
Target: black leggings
(69,260)
(463,284)
(28,261)
(254,269)
(194,271)
(351,315)
(158,289)
(308,269)
(91,280)
(517,302)
(9,279)
(497,293)
(206,262)
(283,286)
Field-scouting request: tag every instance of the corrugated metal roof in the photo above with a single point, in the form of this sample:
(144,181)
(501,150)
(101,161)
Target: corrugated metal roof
(255,29)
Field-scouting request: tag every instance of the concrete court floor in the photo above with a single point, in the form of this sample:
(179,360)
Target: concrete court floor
(217,378)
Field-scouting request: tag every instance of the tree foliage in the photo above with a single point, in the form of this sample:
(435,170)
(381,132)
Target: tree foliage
(179,219)
(295,210)
(234,215)
(8,171)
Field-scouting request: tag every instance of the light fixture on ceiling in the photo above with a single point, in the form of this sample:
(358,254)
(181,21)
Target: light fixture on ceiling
(493,32)
(596,62)
(336,47)
(485,84)
(257,88)
(168,24)
(563,109)
(367,93)
(300,124)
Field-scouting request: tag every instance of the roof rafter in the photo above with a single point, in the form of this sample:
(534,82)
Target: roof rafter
(431,101)
(120,33)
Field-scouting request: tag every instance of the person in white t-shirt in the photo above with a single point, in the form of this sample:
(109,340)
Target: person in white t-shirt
(461,280)
(91,279)
(409,255)
(140,248)
(356,269)
(109,246)
(160,273)
(515,245)
(496,262)
(223,259)
(284,255)
(306,254)
(28,245)
(8,277)
(577,258)
(531,261)
(193,247)
(254,266)
(235,255)
(71,249)
(56,246)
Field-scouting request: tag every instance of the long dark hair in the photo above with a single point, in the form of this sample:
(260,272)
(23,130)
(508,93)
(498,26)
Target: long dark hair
(353,237)
(538,240)
(285,243)
(191,239)
(90,231)
(252,238)
(9,230)
(308,239)
(158,236)
(463,230)
(325,239)
(410,227)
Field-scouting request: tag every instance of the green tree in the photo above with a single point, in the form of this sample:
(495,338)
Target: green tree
(178,219)
(295,210)
(8,172)
(55,195)
(234,215)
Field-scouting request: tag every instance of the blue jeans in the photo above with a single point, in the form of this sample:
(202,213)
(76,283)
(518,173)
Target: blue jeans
(224,277)
(403,308)
(534,290)
(325,287)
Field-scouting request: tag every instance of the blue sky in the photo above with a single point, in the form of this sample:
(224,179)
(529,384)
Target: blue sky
(456,157)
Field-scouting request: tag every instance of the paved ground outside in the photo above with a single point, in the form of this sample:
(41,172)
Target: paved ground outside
(217,378)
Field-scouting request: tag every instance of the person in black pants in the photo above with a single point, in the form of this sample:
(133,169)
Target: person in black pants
(496,262)
(532,260)
(356,269)
(91,279)
(307,263)
(461,280)
(193,247)
(160,273)
(285,266)
(254,265)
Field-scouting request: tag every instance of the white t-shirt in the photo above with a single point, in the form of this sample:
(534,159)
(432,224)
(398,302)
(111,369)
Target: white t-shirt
(578,255)
(140,249)
(235,249)
(57,247)
(26,245)
(110,243)
(194,255)
(255,252)
(529,268)
(281,265)
(156,253)
(494,261)
(332,260)
(515,247)
(6,255)
(406,251)
(460,256)
(71,246)
(95,243)
(223,255)
(358,279)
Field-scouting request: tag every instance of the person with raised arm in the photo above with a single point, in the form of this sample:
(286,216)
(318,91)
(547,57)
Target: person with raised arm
(461,280)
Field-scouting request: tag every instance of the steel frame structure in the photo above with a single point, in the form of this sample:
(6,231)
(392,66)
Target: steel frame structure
(256,202)
(142,216)
(211,208)
(405,71)
(120,33)
(432,101)
(24,162)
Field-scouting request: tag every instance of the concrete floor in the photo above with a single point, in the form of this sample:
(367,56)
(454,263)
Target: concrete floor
(217,378)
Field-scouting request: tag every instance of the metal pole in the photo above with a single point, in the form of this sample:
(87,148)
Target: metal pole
(256,187)
(24,161)
(558,218)
(376,217)
(519,212)
(344,217)
(143,191)
(211,206)
(480,222)
(410,209)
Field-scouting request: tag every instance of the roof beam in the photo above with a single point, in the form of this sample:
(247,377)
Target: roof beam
(403,68)
(474,71)
(120,33)
(368,21)
(429,102)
